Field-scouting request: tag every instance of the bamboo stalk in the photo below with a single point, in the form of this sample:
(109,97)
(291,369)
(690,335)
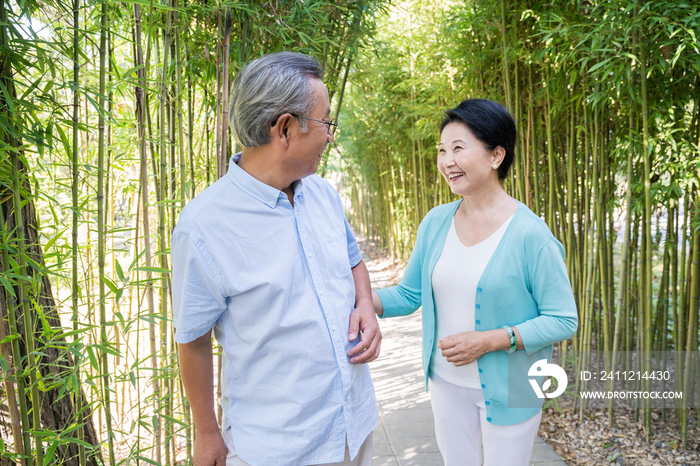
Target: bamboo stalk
(691,337)
(15,417)
(23,443)
(180,133)
(164,146)
(217,127)
(25,446)
(32,364)
(141,110)
(506,71)
(224,95)
(78,399)
(624,271)
(106,388)
(190,124)
(647,225)
(550,162)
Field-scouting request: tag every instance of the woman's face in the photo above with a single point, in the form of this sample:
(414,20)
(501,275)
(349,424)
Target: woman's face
(464,161)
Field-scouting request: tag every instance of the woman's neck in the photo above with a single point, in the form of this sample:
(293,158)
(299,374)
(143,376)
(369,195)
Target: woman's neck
(486,201)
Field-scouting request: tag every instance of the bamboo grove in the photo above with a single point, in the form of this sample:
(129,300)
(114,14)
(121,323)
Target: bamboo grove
(113,115)
(606,97)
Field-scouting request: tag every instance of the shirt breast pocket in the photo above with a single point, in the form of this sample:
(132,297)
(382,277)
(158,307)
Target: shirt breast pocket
(337,250)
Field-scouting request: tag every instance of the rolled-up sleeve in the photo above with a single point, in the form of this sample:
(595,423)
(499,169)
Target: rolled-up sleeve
(552,292)
(354,254)
(198,300)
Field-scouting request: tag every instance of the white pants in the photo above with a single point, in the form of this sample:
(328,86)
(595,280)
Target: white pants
(363,458)
(461,427)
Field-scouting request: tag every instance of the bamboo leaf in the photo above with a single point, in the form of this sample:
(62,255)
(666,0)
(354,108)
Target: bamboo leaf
(136,259)
(9,338)
(120,272)
(93,359)
(8,286)
(147,460)
(172,419)
(107,349)
(110,284)
(50,242)
(152,269)
(71,333)
(50,452)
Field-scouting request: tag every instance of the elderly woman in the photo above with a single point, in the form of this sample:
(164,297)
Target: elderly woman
(495,294)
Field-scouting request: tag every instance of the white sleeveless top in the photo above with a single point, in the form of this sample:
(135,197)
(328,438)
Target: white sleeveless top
(455,279)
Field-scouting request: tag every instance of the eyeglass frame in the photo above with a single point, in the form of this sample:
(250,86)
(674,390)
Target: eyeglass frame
(332,125)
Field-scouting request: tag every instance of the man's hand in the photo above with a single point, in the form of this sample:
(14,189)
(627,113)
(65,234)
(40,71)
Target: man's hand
(197,370)
(209,449)
(364,319)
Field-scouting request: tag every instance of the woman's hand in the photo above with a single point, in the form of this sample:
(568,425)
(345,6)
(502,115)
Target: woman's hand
(463,348)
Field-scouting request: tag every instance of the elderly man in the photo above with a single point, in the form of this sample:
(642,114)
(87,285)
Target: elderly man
(266,257)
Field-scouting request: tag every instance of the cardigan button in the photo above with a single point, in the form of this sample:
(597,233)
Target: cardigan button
(478,290)
(483,386)
(487,403)
(478,306)
(488,419)
(480,371)
(478,322)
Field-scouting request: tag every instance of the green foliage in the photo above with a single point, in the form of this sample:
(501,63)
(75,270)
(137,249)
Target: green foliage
(590,85)
(143,400)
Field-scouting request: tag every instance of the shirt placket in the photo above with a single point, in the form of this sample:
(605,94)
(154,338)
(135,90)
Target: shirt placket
(326,306)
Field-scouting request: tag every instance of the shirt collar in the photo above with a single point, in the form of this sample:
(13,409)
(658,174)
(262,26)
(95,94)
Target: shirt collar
(255,188)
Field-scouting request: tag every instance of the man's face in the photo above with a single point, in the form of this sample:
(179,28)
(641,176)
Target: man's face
(313,143)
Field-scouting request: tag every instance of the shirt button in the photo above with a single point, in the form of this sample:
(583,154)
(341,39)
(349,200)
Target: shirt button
(483,386)
(478,290)
(478,306)
(488,419)
(478,322)
(487,403)
(480,371)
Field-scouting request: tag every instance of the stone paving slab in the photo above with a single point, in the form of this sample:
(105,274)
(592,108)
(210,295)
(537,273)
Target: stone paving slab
(405,435)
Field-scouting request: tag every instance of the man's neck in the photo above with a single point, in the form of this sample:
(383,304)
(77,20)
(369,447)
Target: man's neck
(262,165)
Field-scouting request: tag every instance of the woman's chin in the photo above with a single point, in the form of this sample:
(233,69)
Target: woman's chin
(457,189)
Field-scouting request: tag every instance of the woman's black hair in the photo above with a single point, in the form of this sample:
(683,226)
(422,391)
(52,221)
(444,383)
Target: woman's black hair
(490,123)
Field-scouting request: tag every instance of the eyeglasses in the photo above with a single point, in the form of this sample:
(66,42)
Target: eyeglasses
(332,125)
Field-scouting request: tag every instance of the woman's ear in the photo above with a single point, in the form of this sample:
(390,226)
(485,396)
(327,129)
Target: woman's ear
(497,156)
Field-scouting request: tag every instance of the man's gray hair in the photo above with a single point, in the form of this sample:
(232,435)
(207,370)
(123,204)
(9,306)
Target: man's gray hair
(267,88)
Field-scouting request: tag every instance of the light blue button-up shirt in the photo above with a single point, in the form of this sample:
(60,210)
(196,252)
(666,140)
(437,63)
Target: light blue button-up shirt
(276,283)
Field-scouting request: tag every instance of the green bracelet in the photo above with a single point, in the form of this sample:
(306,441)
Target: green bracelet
(513,340)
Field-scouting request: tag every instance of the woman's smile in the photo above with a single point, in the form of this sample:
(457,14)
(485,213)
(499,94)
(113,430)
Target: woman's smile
(455,175)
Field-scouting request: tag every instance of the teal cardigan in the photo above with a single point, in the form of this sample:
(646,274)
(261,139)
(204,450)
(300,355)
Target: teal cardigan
(524,285)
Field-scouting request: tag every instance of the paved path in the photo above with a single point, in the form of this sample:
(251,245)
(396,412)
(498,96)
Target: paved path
(405,435)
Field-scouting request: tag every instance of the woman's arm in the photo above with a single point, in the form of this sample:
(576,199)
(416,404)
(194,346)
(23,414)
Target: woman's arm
(551,290)
(404,298)
(377,303)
